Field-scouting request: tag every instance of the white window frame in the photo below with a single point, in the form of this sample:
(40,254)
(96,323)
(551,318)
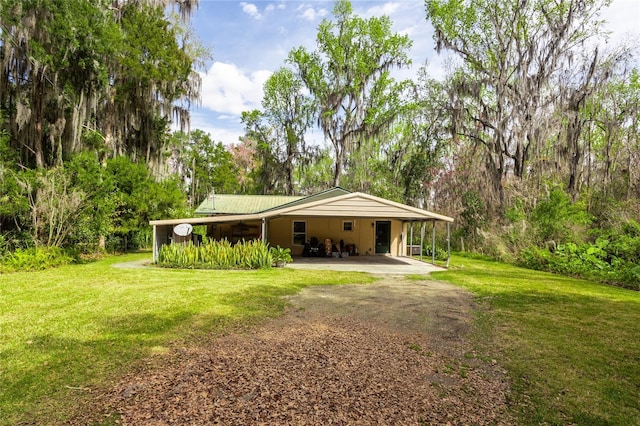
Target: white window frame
(351,222)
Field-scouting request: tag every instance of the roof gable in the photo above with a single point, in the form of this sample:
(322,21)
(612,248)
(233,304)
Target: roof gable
(358,204)
(335,202)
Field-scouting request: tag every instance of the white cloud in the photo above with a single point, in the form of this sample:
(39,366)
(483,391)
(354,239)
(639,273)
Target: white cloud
(251,10)
(227,132)
(226,89)
(387,9)
(310,14)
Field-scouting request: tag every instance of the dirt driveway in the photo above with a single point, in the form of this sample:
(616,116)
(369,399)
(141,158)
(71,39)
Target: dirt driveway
(390,353)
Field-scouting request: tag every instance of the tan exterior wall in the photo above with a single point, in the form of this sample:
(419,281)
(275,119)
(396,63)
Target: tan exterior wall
(396,238)
(280,232)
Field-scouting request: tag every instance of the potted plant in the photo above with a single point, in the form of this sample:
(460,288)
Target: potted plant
(280,256)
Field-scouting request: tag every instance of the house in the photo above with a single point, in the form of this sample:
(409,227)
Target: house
(331,221)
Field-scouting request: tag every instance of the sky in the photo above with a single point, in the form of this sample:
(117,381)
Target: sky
(249,40)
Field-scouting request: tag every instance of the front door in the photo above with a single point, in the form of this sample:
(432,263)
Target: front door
(383,237)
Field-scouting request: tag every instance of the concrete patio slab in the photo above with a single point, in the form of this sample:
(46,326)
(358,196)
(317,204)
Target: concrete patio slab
(370,264)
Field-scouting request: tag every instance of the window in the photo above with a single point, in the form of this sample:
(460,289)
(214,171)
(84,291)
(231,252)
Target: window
(347,225)
(299,233)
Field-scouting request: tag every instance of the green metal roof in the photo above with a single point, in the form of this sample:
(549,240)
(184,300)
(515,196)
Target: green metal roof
(242,204)
(223,204)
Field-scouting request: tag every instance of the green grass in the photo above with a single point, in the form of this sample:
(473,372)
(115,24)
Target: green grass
(572,347)
(72,330)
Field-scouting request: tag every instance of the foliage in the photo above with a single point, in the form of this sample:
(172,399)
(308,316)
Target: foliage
(603,260)
(473,215)
(33,259)
(84,204)
(568,345)
(287,116)
(14,205)
(211,254)
(557,217)
(440,253)
(348,77)
(55,206)
(203,166)
(524,77)
(136,198)
(280,255)
(119,69)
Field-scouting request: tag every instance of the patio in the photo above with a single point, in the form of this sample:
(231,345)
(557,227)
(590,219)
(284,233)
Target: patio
(370,264)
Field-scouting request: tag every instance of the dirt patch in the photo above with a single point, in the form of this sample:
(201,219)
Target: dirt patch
(439,310)
(393,352)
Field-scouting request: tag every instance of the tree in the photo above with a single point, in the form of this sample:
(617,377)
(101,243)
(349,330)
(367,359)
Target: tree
(504,96)
(119,68)
(423,142)
(260,142)
(203,166)
(279,132)
(288,110)
(349,78)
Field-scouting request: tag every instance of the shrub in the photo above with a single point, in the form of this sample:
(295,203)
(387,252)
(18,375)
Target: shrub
(558,219)
(593,261)
(253,254)
(33,259)
(280,255)
(441,254)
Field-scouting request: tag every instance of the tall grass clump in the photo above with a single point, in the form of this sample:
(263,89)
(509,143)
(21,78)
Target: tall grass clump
(253,254)
(33,259)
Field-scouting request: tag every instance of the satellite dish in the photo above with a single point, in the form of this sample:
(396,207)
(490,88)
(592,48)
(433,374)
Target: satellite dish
(183,229)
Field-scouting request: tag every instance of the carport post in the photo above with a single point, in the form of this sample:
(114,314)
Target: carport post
(421,239)
(155,245)
(448,243)
(433,244)
(264,230)
(411,241)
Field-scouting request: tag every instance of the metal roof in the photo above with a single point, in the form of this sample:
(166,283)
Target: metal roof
(223,204)
(341,203)
(217,204)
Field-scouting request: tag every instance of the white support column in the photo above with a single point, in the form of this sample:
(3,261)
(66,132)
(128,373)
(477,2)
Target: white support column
(421,238)
(433,244)
(264,230)
(155,244)
(411,242)
(448,243)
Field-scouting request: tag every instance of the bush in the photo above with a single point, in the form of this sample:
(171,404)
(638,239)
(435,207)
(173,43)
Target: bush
(280,255)
(441,254)
(253,254)
(593,261)
(558,219)
(34,259)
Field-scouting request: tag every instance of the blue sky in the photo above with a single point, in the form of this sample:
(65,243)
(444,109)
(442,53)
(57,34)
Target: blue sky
(251,39)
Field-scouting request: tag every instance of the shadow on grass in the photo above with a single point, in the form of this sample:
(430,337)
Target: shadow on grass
(48,370)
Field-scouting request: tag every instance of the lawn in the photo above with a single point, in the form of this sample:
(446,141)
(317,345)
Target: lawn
(571,347)
(68,332)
